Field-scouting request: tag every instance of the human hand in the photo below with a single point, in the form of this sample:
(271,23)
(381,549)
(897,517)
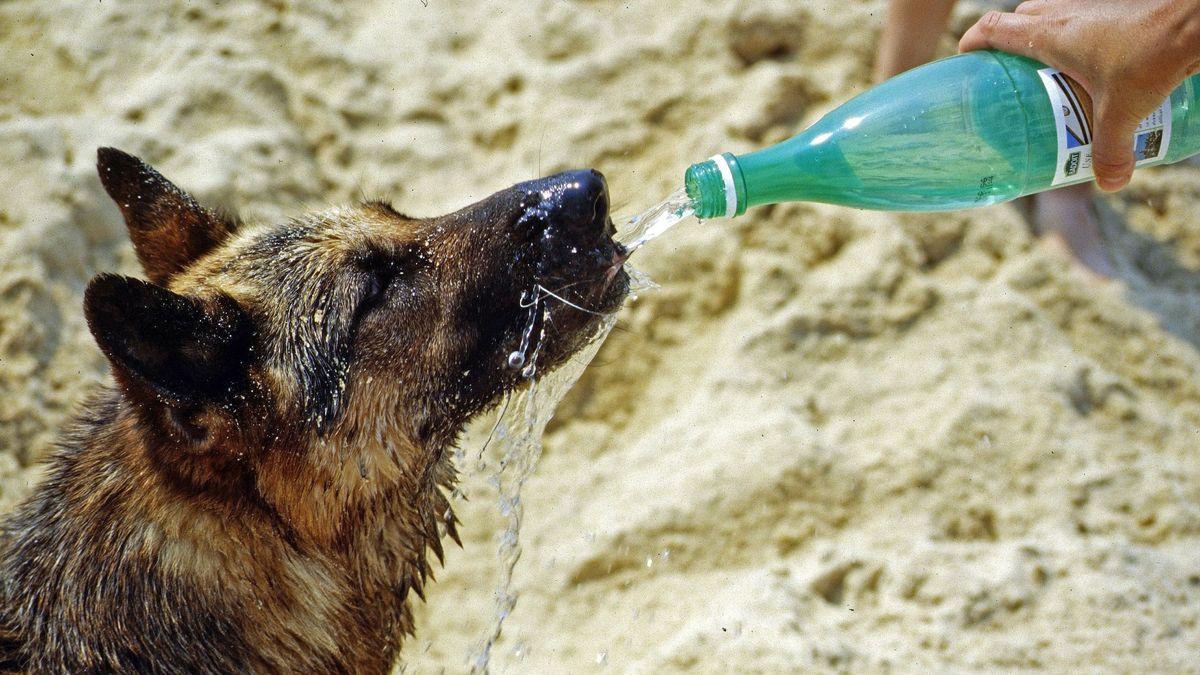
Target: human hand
(1128,54)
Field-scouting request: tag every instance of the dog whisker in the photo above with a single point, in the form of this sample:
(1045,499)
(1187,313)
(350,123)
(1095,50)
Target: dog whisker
(492,433)
(563,300)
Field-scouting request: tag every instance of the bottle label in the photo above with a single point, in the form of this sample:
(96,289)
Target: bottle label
(1073,123)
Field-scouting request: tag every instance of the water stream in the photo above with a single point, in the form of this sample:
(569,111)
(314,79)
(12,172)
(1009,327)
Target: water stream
(517,442)
(516,438)
(656,220)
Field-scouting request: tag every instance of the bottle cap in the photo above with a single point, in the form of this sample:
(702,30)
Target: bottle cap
(715,188)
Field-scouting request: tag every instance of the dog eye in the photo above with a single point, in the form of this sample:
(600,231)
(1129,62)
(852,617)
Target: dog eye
(380,275)
(384,270)
(377,282)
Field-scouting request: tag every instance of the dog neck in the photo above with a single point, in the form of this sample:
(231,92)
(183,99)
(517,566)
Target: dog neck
(310,563)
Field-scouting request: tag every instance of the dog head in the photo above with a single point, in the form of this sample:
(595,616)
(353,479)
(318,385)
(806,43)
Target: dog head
(357,324)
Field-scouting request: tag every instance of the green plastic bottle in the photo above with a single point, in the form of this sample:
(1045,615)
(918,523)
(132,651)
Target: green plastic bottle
(970,130)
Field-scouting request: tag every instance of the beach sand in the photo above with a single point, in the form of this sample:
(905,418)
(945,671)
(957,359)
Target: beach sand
(832,439)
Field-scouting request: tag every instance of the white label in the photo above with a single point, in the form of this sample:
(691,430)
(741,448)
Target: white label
(1073,123)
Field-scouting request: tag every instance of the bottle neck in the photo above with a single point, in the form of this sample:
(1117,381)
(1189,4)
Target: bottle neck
(716,187)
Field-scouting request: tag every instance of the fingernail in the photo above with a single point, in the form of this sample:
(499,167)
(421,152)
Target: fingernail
(1111,184)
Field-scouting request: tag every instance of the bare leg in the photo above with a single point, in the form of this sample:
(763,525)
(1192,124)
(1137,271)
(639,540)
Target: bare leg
(910,35)
(1066,217)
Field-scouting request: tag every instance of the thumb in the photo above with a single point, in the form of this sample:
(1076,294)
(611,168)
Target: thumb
(1112,146)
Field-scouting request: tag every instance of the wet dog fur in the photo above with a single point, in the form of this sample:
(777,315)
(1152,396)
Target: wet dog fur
(258,487)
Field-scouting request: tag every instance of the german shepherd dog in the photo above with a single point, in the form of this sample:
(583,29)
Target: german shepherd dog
(258,487)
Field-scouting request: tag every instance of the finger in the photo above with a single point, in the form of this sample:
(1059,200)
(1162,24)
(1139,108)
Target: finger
(1013,33)
(1112,147)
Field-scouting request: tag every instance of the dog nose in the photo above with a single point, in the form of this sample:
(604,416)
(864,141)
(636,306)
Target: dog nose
(580,200)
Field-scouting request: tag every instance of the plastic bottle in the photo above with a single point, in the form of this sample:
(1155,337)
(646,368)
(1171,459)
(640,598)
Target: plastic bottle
(970,130)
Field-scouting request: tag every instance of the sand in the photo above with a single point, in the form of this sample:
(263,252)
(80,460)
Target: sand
(832,440)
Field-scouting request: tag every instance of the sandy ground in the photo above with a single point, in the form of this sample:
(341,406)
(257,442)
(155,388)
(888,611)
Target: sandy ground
(833,440)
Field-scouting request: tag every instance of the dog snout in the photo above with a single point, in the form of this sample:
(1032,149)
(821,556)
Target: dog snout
(584,201)
(575,201)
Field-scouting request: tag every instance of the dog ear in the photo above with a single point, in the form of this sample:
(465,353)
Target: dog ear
(186,351)
(169,229)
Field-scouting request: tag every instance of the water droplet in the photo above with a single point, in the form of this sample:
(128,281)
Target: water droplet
(516,360)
